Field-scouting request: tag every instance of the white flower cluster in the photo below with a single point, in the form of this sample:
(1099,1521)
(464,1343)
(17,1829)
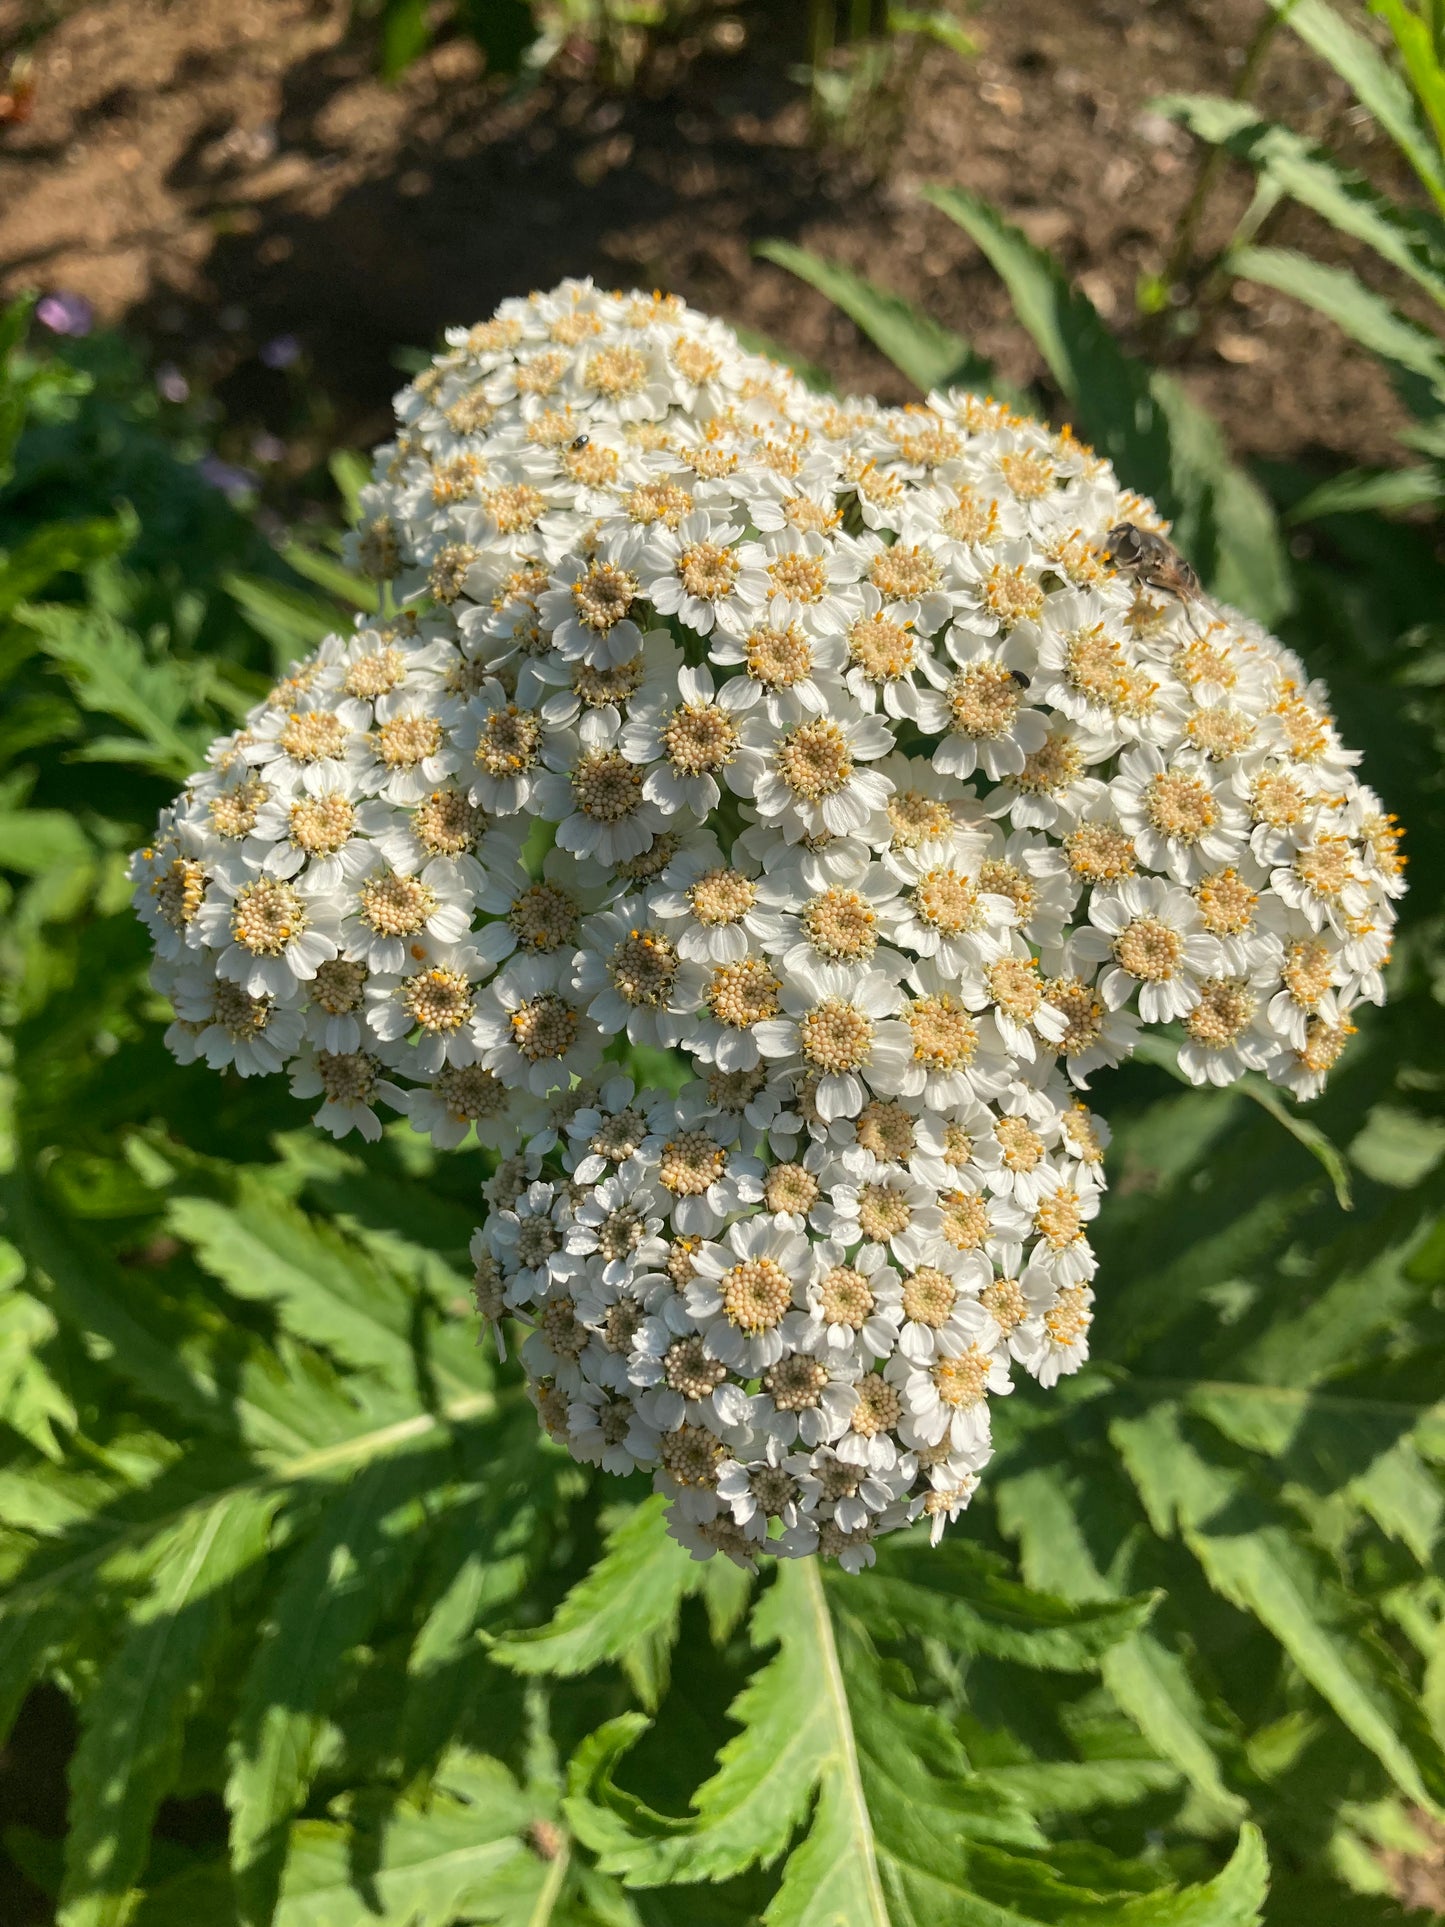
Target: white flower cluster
(835,751)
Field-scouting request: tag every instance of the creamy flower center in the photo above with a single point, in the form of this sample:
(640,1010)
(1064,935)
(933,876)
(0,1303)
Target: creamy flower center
(691,1163)
(313,736)
(880,648)
(791,1187)
(755,1294)
(1323,1045)
(946,901)
(886,1130)
(1013,984)
(594,465)
(542,373)
(694,360)
(1100,853)
(883,1212)
(835,1036)
(233,812)
(544,1027)
(619,1233)
(841,925)
(903,571)
(846,1297)
(544,917)
(691,1455)
(688,1369)
(743,994)
(179,891)
(779,658)
(347,1077)
(603,596)
(1012,595)
(721,896)
(1021,1145)
(733,1091)
(1082,1011)
(618,1136)
(1327,866)
(643,968)
(1050,769)
(395,906)
(448,573)
(1148,948)
(446,824)
(963,1381)
(321,825)
(471,1093)
(815,760)
(1220,732)
(914,818)
(811,517)
(1180,806)
(616,372)
(1058,1220)
(661,502)
(945,1037)
(1067,1321)
(929,1296)
(1307,971)
(338,986)
(509,742)
(599,683)
(965,1220)
(605,786)
(879,1407)
(266,915)
(1028,473)
(983,701)
(619,1327)
(1222,1015)
(971,518)
(377,674)
(239,1015)
(1005,1303)
(708,571)
(439,1000)
(1226,903)
(699,738)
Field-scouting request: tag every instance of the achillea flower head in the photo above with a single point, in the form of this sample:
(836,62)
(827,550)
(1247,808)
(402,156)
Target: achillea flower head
(880,793)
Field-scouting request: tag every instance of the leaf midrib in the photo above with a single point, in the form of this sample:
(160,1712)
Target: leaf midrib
(845,1746)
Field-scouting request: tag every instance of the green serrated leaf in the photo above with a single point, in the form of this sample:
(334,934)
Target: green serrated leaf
(336,1586)
(625,1610)
(930,355)
(1249,1555)
(1411,242)
(1376,84)
(134,1715)
(1416,355)
(1150,1682)
(291,620)
(963,1595)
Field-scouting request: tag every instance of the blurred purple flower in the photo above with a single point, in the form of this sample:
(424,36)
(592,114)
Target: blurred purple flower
(236,484)
(281,351)
(171,384)
(65,314)
(266,447)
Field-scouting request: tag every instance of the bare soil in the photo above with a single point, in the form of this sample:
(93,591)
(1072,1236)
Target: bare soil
(219,172)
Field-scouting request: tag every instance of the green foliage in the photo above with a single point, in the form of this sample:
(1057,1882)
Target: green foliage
(1407,101)
(291,1544)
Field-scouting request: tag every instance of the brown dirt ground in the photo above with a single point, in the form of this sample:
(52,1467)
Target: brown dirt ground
(219,171)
